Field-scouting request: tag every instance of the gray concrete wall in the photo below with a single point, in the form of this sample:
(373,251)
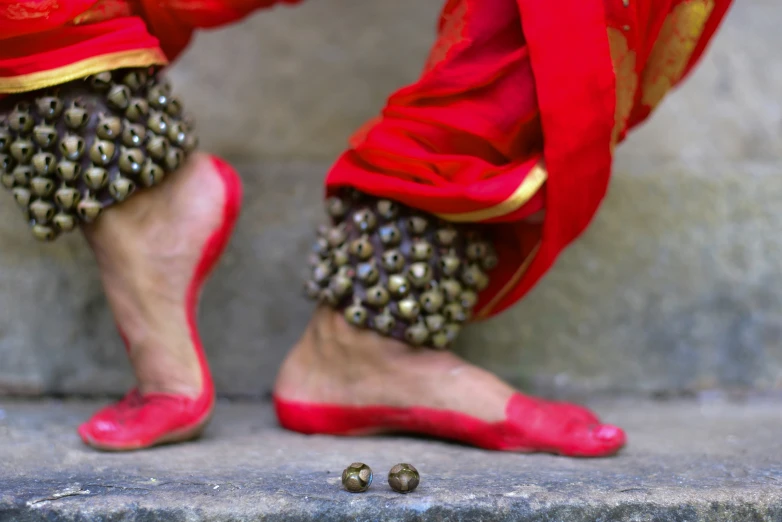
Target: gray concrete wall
(676,287)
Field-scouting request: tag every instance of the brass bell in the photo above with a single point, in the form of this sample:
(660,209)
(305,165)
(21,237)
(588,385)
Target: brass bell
(357,477)
(417,334)
(404,478)
(157,147)
(42,211)
(174,159)
(5,163)
(121,188)
(133,135)
(177,134)
(191,142)
(41,187)
(393,261)
(336,236)
(449,264)
(398,285)
(20,122)
(387,209)
(130,161)
(44,233)
(336,207)
(135,79)
(421,251)
(158,123)
(474,277)
(43,135)
(356,314)
(364,220)
(417,225)
(490,262)
(328,296)
(340,256)
(377,296)
(95,178)
(22,150)
(451,331)
(419,274)
(72,147)
(119,96)
(108,127)
(102,152)
(68,170)
(477,250)
(368,273)
(321,247)
(76,117)
(439,340)
(89,209)
(7,180)
(67,198)
(454,313)
(434,322)
(23,174)
(468,299)
(100,82)
(174,107)
(341,285)
(22,196)
(151,173)
(390,235)
(431,301)
(5,140)
(445,236)
(409,308)
(158,96)
(49,107)
(361,248)
(137,109)
(312,289)
(64,222)
(384,322)
(322,272)
(44,163)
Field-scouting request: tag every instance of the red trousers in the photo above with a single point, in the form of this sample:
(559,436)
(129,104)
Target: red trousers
(516,114)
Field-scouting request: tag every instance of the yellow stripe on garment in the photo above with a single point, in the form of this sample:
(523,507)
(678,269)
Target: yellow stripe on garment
(528,187)
(82,69)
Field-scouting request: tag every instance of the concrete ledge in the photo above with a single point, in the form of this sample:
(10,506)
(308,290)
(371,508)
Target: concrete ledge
(686,461)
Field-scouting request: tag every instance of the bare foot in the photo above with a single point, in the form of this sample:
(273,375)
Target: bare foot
(345,381)
(153,252)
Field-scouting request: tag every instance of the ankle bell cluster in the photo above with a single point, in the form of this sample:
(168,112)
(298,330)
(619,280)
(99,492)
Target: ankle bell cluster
(400,272)
(68,152)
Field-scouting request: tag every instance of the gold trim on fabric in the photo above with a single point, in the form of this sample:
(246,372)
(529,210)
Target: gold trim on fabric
(532,182)
(82,69)
(512,282)
(103,10)
(624,61)
(674,48)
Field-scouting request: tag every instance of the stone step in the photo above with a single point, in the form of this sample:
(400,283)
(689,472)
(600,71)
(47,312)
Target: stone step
(687,461)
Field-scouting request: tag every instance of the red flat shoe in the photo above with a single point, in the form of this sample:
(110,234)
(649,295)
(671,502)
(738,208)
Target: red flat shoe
(140,421)
(531,425)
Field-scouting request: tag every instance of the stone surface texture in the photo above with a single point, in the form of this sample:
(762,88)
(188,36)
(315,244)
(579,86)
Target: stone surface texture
(686,461)
(676,288)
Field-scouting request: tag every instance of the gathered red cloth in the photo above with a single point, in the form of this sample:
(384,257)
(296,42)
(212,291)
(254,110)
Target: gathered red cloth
(516,113)
(519,109)
(47,42)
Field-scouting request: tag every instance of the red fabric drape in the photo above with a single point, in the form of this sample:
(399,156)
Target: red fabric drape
(45,42)
(514,87)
